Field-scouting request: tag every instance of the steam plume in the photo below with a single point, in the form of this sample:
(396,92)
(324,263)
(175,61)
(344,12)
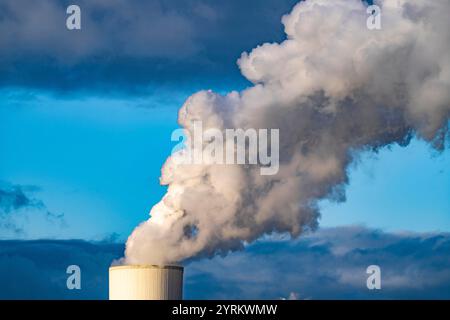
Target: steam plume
(333,88)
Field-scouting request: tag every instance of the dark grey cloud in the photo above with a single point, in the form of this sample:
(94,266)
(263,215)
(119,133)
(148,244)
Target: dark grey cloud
(37,269)
(127,45)
(328,264)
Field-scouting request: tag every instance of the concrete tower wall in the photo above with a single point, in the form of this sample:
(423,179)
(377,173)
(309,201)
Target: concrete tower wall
(146,282)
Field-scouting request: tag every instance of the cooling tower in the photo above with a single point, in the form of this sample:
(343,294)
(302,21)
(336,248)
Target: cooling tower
(146,282)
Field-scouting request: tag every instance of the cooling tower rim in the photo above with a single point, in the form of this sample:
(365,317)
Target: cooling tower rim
(146,266)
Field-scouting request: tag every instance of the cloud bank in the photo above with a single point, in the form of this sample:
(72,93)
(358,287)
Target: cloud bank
(37,269)
(329,264)
(126,46)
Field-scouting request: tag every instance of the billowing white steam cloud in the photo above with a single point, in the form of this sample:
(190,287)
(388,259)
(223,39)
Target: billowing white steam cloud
(333,88)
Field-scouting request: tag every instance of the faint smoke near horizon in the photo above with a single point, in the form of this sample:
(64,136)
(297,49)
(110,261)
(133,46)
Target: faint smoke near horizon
(334,88)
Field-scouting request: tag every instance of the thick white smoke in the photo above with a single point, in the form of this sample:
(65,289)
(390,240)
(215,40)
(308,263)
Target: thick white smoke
(333,88)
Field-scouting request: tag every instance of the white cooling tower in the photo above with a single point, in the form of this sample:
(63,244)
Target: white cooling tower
(146,282)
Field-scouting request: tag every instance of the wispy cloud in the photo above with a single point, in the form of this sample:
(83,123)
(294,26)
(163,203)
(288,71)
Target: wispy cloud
(18,201)
(13,197)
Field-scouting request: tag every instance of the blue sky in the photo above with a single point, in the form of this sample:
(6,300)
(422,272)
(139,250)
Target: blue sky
(400,188)
(85,126)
